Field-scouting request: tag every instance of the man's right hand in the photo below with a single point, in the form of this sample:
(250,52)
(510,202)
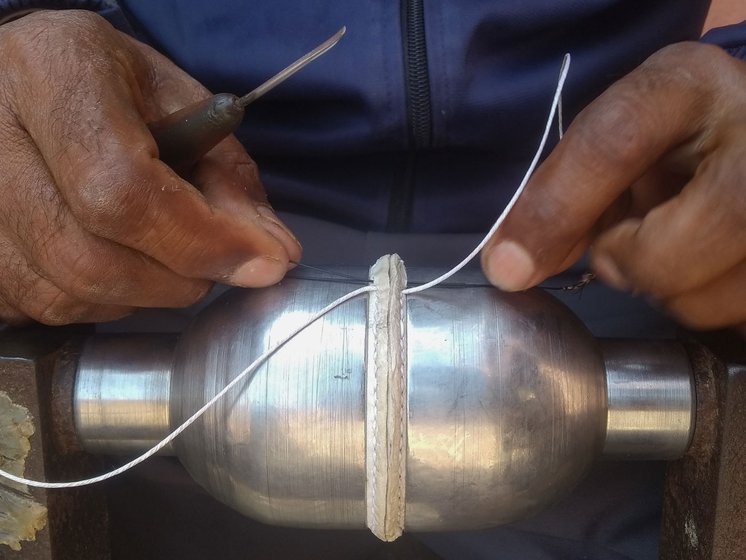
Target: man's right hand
(92,223)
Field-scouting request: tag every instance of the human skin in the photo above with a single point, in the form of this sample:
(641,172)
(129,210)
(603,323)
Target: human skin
(650,178)
(93,224)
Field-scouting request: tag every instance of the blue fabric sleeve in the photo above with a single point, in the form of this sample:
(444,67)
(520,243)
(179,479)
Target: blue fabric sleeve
(732,38)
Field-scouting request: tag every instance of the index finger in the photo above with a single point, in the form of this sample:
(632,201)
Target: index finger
(609,145)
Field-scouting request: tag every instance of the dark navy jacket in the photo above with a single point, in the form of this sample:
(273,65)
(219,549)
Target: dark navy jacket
(426,114)
(424,117)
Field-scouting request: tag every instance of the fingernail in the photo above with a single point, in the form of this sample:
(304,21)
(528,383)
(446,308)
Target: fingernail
(510,267)
(273,224)
(608,271)
(259,272)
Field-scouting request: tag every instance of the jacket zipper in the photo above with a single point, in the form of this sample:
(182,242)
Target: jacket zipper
(419,113)
(417,76)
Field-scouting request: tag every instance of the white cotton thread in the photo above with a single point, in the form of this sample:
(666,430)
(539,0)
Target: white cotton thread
(555,103)
(194,417)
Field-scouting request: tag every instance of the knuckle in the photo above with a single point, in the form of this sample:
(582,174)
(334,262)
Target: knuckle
(73,27)
(682,60)
(624,125)
(233,166)
(613,133)
(34,38)
(61,51)
(248,171)
(237,158)
(674,55)
(112,202)
(61,18)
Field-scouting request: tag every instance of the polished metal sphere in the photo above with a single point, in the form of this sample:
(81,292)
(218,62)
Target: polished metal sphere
(506,405)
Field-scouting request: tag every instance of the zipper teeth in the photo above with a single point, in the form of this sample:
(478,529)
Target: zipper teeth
(419,117)
(417,75)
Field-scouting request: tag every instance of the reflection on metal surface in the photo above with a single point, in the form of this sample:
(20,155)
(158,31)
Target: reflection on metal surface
(651,399)
(288,447)
(506,408)
(122,393)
